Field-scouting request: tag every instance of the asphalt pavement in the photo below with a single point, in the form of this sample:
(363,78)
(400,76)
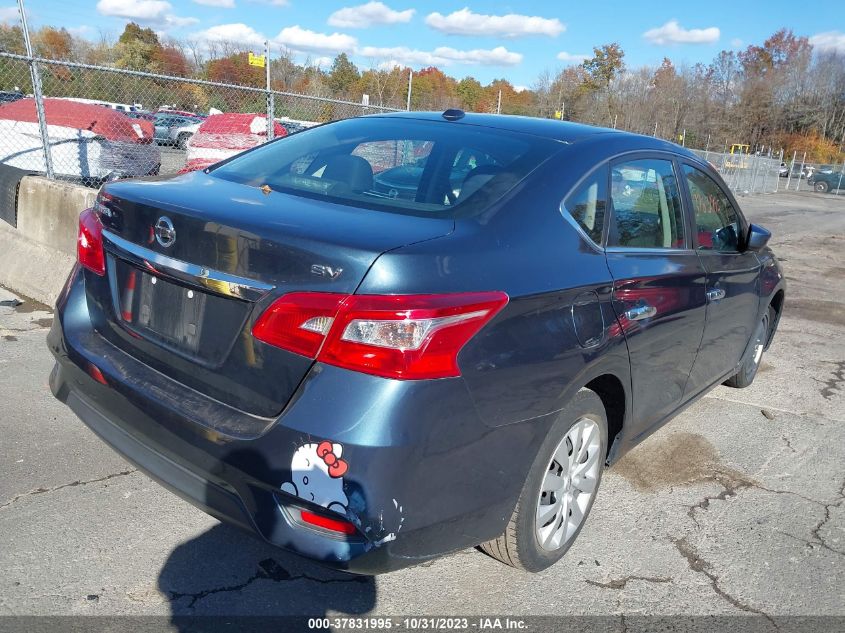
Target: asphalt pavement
(735,507)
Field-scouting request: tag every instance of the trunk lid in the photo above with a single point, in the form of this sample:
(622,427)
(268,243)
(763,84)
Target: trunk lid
(186,307)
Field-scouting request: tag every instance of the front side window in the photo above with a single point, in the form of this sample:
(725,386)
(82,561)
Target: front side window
(718,227)
(646,205)
(587,204)
(392,164)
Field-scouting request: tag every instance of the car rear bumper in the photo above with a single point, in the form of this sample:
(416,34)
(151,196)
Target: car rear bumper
(425,475)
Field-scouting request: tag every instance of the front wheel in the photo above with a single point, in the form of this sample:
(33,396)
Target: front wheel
(821,186)
(754,355)
(560,489)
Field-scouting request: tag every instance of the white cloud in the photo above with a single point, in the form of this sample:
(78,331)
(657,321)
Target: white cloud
(302,40)
(465,22)
(155,12)
(175,22)
(322,62)
(575,58)
(520,88)
(236,33)
(442,56)
(390,64)
(499,56)
(9,14)
(221,4)
(674,33)
(135,9)
(367,15)
(829,42)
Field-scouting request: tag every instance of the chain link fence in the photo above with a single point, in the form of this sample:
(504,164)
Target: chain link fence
(757,172)
(91,124)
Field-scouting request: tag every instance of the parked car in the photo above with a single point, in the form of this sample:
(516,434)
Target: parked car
(186,113)
(87,142)
(824,180)
(295,125)
(173,129)
(125,108)
(373,381)
(144,116)
(222,136)
(7,96)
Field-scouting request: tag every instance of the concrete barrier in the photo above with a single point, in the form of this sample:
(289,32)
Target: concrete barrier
(36,257)
(48,211)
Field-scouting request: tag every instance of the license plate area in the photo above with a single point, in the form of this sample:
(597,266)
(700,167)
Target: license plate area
(182,318)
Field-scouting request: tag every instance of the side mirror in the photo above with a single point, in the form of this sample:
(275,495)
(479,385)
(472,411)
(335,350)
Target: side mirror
(758,237)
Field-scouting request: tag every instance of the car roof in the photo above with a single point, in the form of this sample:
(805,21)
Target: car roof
(562,131)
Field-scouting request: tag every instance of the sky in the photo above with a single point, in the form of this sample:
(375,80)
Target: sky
(485,39)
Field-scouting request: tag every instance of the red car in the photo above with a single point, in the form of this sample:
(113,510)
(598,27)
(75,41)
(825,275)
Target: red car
(87,142)
(223,135)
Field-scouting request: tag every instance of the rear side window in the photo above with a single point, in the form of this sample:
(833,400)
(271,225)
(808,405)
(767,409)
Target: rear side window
(646,205)
(588,203)
(392,164)
(717,223)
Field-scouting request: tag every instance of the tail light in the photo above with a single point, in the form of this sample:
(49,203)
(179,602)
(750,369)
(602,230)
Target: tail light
(89,243)
(408,337)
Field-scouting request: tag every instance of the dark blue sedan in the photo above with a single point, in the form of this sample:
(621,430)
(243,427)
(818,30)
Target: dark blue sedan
(373,380)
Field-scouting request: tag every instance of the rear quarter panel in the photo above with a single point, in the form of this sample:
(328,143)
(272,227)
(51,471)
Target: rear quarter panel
(529,360)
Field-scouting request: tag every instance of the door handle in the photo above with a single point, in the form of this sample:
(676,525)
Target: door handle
(640,311)
(714,294)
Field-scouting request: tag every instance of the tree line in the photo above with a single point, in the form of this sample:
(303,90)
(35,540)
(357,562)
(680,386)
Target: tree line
(781,94)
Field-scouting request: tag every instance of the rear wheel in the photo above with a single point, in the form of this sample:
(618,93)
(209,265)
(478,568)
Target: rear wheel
(560,489)
(821,186)
(754,355)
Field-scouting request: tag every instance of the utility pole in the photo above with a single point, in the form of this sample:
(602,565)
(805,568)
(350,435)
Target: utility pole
(410,81)
(37,93)
(499,103)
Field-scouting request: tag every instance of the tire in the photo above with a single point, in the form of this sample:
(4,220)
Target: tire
(754,354)
(182,141)
(520,545)
(821,186)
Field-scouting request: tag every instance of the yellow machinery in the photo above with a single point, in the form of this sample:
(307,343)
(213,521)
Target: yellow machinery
(739,156)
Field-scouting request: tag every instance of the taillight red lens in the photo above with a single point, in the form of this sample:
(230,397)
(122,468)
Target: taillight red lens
(299,321)
(89,243)
(409,337)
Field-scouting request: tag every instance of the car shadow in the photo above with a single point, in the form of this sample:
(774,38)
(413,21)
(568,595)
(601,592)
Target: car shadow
(226,572)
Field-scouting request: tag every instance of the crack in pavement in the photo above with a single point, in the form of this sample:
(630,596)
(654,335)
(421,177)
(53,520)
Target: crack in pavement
(268,569)
(41,491)
(732,483)
(620,583)
(699,565)
(807,417)
(833,385)
(815,532)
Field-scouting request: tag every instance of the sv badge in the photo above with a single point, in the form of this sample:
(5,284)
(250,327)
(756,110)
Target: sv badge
(325,271)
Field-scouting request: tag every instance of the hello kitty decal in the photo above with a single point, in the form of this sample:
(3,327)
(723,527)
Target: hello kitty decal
(317,475)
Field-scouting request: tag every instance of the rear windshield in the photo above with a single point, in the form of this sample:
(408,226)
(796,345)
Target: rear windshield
(398,165)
